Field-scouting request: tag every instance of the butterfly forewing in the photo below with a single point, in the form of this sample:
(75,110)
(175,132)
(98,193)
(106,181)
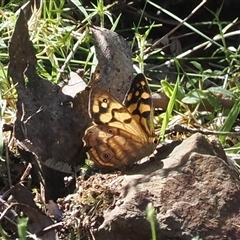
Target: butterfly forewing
(139,103)
(106,109)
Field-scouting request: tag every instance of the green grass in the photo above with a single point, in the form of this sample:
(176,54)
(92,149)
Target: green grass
(151,217)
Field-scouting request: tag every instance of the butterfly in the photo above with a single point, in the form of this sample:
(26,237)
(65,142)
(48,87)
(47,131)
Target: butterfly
(121,134)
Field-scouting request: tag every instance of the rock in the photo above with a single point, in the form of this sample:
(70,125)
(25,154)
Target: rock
(196,194)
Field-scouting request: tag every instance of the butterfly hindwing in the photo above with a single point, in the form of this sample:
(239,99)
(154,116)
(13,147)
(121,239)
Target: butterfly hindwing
(112,147)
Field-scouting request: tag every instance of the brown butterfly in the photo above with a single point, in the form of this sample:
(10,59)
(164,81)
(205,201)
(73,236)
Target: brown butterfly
(121,134)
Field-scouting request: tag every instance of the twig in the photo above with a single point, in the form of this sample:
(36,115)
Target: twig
(8,167)
(180,128)
(174,29)
(26,172)
(53,226)
(70,55)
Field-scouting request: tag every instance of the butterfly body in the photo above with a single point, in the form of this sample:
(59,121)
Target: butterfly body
(121,134)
